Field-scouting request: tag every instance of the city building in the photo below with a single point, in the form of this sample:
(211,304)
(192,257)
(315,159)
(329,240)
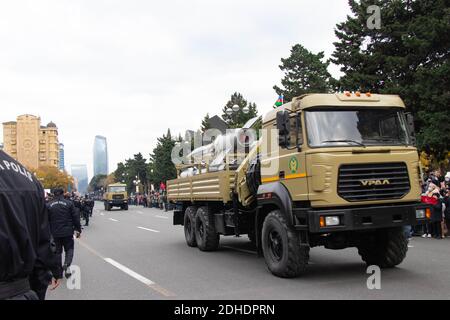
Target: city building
(80,174)
(217,122)
(30,143)
(100,156)
(62,165)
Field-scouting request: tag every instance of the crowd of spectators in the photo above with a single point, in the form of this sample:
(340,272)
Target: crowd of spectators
(436,192)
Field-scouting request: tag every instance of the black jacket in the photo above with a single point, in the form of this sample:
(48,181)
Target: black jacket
(437,211)
(447,207)
(64,219)
(25,250)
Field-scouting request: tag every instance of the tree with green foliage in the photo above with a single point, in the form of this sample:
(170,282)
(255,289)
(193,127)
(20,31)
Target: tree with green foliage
(238,119)
(409,55)
(97,183)
(138,169)
(132,168)
(205,123)
(161,167)
(304,72)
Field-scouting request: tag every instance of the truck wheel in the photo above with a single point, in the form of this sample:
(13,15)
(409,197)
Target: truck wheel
(387,248)
(125,207)
(189,226)
(284,255)
(205,232)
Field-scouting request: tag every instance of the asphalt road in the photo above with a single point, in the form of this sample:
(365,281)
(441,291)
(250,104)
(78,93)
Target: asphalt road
(139,254)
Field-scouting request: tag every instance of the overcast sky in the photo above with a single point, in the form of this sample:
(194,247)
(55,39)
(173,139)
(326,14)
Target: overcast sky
(130,69)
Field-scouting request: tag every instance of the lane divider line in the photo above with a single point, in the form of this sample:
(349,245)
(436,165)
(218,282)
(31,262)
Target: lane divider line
(149,283)
(113,220)
(161,217)
(147,229)
(129,272)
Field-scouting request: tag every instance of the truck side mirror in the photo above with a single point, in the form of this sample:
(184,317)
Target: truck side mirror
(284,128)
(412,132)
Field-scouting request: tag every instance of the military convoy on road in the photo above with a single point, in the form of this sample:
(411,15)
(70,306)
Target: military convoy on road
(342,171)
(116,196)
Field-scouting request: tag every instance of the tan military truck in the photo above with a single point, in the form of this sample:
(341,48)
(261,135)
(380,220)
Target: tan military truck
(116,196)
(346,174)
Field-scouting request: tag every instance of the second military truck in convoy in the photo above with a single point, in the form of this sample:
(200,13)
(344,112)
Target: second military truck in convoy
(116,196)
(342,171)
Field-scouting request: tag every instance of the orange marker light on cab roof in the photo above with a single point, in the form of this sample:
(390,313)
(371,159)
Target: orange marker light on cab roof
(368,94)
(358,94)
(348,94)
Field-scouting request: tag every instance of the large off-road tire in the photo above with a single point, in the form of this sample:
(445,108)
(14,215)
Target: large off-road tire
(189,226)
(285,256)
(107,207)
(205,232)
(385,248)
(125,207)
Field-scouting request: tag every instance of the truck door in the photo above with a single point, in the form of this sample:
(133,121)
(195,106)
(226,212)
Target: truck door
(288,163)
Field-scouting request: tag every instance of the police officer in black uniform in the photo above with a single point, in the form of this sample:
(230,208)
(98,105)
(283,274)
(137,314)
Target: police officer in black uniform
(64,222)
(86,209)
(27,262)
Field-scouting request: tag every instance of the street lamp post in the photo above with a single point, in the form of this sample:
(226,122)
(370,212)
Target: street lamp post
(234,111)
(137,183)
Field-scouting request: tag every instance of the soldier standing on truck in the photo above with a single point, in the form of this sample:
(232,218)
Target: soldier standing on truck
(27,262)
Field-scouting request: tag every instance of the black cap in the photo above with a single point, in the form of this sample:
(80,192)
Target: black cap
(58,191)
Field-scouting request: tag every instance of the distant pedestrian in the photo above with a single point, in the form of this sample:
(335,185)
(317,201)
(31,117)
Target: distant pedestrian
(64,221)
(436,220)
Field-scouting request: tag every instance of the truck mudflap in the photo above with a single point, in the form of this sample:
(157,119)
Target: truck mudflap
(362,218)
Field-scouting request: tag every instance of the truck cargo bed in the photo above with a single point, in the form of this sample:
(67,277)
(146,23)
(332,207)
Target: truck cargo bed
(212,186)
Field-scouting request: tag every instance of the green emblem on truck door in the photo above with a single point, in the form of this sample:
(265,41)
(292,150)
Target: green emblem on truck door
(293,165)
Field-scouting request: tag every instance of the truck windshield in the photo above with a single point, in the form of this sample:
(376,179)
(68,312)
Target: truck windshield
(116,189)
(360,127)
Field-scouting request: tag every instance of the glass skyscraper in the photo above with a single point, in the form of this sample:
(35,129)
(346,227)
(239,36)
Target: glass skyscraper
(62,165)
(100,156)
(80,174)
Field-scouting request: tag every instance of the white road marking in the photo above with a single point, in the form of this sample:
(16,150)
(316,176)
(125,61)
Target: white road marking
(149,283)
(140,212)
(113,220)
(130,272)
(410,246)
(102,214)
(147,229)
(161,217)
(240,250)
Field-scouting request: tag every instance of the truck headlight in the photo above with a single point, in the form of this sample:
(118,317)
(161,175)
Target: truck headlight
(332,221)
(420,214)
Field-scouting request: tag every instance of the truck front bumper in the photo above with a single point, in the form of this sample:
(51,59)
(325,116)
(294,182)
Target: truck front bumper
(362,218)
(117,202)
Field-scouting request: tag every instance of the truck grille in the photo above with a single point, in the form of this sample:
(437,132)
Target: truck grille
(376,181)
(118,197)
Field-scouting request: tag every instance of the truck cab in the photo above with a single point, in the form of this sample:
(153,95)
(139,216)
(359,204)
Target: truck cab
(116,196)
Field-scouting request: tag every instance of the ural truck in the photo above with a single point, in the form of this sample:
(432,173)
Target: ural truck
(116,196)
(341,171)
